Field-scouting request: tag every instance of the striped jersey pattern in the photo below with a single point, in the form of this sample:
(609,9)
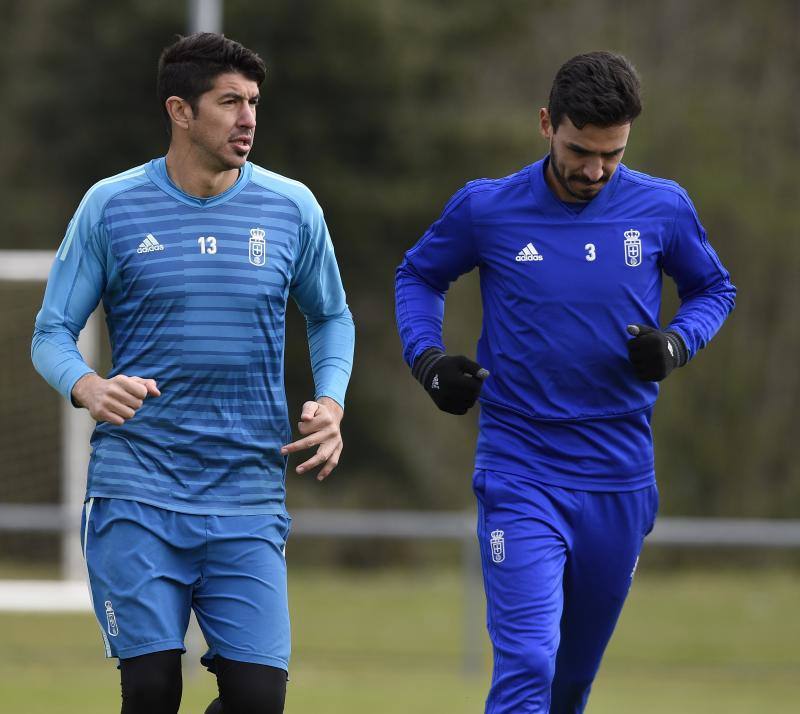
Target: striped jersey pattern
(195,294)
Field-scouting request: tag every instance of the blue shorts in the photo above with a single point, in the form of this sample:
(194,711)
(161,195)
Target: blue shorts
(149,567)
(557,567)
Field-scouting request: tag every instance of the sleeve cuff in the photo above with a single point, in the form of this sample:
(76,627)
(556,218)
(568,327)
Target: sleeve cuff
(425,363)
(681,353)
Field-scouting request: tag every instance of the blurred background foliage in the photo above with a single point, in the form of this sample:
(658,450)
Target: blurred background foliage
(384,108)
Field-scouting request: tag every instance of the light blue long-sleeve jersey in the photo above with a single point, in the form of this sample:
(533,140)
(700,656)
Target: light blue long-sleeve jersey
(195,294)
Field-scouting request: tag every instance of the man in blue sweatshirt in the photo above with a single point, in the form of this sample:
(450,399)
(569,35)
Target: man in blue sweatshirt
(571,251)
(194,256)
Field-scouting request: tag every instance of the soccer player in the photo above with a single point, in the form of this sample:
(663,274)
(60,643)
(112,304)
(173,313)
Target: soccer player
(571,251)
(194,256)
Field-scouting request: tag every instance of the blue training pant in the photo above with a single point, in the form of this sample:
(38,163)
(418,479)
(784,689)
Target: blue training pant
(557,566)
(149,567)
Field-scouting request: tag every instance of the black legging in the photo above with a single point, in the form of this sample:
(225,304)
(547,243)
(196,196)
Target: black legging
(152,684)
(247,688)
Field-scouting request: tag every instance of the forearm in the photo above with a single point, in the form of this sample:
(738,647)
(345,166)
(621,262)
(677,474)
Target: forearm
(56,357)
(700,316)
(331,342)
(419,310)
(704,285)
(74,287)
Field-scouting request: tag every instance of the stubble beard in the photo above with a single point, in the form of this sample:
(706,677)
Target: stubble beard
(218,158)
(564,183)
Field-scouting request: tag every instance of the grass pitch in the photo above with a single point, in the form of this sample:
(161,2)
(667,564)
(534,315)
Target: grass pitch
(391,642)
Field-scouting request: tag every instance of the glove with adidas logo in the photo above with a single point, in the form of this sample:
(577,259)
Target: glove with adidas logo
(454,382)
(653,353)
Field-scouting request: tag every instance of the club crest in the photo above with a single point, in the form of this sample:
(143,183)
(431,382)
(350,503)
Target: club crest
(633,248)
(498,544)
(258,247)
(113,628)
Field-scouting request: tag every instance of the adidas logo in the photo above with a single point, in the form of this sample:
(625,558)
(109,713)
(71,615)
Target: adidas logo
(149,245)
(435,382)
(528,253)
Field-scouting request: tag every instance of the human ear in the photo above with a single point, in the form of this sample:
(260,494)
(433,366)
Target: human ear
(179,111)
(545,127)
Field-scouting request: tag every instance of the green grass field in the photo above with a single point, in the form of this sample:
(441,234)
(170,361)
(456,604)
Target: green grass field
(390,643)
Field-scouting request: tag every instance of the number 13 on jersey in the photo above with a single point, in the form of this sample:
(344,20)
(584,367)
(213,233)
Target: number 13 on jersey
(207,244)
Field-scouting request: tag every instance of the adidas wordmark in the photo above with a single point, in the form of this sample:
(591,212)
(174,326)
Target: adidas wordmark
(528,253)
(149,245)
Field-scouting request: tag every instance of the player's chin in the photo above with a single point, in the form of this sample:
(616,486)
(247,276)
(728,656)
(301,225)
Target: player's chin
(237,155)
(589,192)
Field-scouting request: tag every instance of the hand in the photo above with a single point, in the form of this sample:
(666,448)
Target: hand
(653,353)
(319,425)
(453,382)
(113,400)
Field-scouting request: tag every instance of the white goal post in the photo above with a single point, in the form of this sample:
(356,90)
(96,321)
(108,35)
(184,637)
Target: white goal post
(76,430)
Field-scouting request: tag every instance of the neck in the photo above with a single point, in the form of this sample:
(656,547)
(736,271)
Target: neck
(194,177)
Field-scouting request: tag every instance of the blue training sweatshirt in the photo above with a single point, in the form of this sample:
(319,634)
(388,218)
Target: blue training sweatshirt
(562,404)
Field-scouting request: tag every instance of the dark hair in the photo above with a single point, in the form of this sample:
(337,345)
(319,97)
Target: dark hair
(599,88)
(188,67)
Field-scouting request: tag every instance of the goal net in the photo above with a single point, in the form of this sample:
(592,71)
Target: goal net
(44,448)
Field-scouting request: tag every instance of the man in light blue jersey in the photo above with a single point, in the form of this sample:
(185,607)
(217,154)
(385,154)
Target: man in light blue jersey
(571,252)
(194,256)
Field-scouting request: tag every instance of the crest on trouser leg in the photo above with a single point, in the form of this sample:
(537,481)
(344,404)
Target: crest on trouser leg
(498,544)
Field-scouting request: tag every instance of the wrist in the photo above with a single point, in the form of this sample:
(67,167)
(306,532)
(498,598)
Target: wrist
(681,354)
(333,405)
(425,364)
(79,396)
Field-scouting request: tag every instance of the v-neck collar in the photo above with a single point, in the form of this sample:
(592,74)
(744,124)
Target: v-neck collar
(157,172)
(555,206)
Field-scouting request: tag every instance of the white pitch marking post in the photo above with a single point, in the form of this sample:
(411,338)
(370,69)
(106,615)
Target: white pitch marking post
(76,431)
(76,424)
(205,16)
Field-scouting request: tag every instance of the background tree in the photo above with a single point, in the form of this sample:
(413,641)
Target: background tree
(385,108)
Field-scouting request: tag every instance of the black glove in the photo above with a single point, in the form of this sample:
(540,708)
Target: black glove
(454,383)
(653,353)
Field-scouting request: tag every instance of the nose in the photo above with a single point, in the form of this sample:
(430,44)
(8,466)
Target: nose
(593,169)
(247,117)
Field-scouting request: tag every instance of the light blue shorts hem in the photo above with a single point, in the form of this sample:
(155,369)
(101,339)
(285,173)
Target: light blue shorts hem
(239,656)
(149,648)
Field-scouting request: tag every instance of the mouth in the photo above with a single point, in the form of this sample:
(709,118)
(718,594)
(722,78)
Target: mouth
(242,143)
(587,189)
(589,184)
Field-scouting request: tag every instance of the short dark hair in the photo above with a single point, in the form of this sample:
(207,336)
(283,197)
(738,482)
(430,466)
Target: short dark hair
(188,67)
(600,88)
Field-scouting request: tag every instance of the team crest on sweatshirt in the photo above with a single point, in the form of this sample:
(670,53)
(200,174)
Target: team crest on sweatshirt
(633,248)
